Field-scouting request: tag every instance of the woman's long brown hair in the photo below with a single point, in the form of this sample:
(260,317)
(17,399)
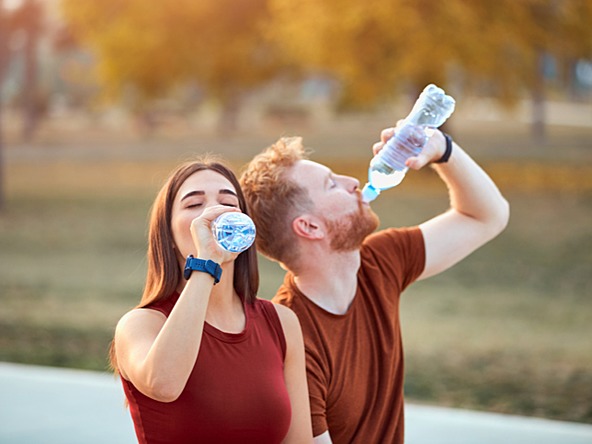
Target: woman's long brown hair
(164,273)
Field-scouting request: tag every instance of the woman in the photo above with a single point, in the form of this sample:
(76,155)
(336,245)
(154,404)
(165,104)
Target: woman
(201,360)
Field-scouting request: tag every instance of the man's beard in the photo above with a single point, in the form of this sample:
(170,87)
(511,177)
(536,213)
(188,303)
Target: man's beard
(349,232)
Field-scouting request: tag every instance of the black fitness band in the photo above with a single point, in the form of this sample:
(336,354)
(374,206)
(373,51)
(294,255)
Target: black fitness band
(448,150)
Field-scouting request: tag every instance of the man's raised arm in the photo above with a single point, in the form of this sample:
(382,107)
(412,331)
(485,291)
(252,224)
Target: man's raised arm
(477,214)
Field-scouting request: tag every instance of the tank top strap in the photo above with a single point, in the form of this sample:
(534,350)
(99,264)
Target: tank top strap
(164,305)
(274,320)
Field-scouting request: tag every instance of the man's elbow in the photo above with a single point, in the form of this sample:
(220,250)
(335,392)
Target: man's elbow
(501,217)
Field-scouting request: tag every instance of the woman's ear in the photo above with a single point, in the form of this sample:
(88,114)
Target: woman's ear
(308,227)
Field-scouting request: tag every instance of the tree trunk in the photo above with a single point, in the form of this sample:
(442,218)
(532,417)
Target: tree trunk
(229,116)
(538,102)
(2,192)
(31,104)
(3,65)
(2,166)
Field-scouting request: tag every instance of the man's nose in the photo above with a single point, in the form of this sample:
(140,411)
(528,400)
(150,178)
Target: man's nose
(351,183)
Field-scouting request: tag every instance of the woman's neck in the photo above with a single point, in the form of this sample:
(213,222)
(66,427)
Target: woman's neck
(225,308)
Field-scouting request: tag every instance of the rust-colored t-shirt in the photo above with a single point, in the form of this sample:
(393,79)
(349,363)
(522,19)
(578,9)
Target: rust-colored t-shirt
(355,361)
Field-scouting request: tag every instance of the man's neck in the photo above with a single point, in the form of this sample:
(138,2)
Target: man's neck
(330,281)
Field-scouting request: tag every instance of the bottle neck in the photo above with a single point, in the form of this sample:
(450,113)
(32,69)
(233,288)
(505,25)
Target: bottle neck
(369,193)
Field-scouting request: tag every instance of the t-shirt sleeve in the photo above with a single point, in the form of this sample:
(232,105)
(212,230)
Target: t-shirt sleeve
(317,392)
(316,367)
(398,253)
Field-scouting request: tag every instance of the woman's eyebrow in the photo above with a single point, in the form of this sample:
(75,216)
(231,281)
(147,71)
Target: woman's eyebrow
(227,191)
(201,193)
(193,193)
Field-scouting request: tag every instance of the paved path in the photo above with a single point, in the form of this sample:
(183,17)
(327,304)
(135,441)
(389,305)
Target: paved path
(41,405)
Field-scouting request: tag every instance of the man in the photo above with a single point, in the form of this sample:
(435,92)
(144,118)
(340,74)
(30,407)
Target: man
(344,282)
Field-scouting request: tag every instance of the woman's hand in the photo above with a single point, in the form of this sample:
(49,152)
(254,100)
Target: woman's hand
(203,238)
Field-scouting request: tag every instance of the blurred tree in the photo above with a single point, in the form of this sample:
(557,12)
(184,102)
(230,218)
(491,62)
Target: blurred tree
(377,48)
(148,48)
(4,53)
(28,18)
(521,40)
(377,45)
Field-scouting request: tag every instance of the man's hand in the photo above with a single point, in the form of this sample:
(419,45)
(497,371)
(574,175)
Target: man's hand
(432,151)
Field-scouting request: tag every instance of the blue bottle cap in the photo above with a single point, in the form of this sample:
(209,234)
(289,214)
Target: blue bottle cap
(369,193)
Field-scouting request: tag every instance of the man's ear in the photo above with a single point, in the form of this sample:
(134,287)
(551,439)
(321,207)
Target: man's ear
(308,227)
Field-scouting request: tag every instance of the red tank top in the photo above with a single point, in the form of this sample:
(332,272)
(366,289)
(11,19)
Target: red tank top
(235,394)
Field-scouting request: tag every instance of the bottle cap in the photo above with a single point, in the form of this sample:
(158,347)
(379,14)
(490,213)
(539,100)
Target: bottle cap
(369,193)
(234,231)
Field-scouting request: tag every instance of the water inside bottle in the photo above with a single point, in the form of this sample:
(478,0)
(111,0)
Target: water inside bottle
(382,180)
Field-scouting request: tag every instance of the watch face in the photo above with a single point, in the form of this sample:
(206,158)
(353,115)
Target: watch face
(188,267)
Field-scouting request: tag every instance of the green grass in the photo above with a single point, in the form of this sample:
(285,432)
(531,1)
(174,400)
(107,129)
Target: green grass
(507,330)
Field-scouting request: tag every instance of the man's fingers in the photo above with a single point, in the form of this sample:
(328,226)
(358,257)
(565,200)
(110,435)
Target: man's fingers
(386,134)
(417,162)
(377,147)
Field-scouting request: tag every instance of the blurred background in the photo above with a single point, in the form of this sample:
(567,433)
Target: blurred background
(100,99)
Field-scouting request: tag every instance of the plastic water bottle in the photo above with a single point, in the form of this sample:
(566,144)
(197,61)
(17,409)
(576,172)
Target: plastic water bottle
(234,231)
(387,168)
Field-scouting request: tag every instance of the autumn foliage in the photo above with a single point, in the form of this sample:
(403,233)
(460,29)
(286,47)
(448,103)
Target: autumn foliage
(374,48)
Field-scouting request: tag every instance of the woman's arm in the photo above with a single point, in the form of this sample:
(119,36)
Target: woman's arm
(295,376)
(157,353)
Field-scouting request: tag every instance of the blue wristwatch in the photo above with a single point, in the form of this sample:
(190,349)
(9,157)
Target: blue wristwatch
(194,264)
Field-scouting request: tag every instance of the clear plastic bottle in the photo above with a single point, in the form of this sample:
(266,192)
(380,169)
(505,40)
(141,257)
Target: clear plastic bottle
(387,168)
(234,231)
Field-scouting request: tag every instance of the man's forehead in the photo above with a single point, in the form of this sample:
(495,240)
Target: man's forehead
(310,169)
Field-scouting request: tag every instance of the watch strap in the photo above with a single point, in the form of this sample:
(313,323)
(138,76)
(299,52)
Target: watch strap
(447,151)
(207,266)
